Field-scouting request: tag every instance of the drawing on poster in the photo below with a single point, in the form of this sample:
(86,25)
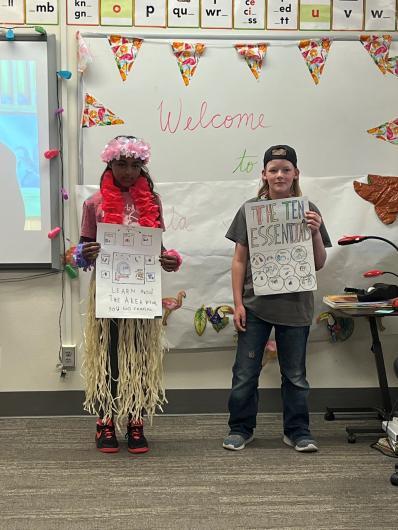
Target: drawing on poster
(280,246)
(128,272)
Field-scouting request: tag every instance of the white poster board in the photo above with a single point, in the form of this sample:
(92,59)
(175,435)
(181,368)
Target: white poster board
(280,246)
(128,276)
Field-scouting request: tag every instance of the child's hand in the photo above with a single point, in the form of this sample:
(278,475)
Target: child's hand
(314,221)
(90,251)
(169,263)
(240,318)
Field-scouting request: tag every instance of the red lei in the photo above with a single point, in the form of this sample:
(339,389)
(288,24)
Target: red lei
(143,199)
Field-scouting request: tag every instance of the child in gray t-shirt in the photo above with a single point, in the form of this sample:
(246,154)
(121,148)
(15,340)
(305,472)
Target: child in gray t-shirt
(290,314)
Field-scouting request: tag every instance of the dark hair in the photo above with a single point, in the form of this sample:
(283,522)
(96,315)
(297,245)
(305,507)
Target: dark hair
(144,170)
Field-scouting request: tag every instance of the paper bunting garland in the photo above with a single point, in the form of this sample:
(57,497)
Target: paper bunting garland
(95,113)
(315,53)
(84,57)
(387,131)
(254,56)
(383,193)
(378,47)
(187,56)
(125,51)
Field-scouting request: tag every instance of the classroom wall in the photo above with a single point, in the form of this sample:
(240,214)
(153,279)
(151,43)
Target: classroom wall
(29,332)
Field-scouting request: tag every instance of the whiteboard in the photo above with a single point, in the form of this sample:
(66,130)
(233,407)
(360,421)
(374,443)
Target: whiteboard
(29,182)
(201,176)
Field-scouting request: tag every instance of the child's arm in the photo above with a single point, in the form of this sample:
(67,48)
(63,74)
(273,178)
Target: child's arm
(239,264)
(314,221)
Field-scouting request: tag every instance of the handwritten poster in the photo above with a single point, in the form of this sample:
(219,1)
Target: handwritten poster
(280,246)
(128,275)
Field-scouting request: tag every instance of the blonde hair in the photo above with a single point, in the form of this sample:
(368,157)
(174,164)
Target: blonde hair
(295,190)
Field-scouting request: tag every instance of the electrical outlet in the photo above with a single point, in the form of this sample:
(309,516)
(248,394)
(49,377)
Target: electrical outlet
(69,356)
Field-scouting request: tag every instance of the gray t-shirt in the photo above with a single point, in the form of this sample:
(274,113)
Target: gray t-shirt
(288,309)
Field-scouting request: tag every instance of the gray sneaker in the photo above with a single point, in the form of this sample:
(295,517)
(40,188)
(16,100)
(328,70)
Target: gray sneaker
(236,442)
(305,445)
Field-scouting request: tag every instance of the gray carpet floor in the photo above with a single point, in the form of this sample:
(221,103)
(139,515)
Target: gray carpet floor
(52,477)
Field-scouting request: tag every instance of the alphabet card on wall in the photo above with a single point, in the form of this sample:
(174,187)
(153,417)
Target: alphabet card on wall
(183,15)
(216,14)
(282,14)
(41,12)
(150,13)
(280,246)
(348,15)
(128,275)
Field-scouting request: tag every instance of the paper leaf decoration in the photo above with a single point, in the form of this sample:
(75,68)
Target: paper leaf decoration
(378,47)
(95,113)
(254,56)
(84,56)
(383,193)
(315,53)
(187,56)
(125,51)
(200,320)
(387,131)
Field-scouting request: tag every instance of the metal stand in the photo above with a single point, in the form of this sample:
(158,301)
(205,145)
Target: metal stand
(379,414)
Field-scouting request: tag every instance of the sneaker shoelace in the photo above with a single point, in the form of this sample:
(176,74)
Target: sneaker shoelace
(109,431)
(136,431)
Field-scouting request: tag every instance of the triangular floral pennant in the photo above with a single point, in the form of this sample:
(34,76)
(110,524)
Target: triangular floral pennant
(84,56)
(125,51)
(95,113)
(382,192)
(315,53)
(392,66)
(254,56)
(387,131)
(378,47)
(187,56)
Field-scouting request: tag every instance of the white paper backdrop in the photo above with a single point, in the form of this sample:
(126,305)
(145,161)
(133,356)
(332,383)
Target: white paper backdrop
(197,215)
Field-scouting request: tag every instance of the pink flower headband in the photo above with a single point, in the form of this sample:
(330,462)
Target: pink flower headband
(128,147)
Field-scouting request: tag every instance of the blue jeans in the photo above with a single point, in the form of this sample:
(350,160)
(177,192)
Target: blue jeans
(243,401)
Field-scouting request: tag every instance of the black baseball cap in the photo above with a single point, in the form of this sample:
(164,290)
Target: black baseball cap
(280,152)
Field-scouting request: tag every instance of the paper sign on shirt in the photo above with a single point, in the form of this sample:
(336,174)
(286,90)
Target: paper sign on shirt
(280,246)
(128,274)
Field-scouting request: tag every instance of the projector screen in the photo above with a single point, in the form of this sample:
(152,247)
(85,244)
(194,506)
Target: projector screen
(28,128)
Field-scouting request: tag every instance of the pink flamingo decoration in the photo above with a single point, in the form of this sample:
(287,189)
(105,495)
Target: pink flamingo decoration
(171,304)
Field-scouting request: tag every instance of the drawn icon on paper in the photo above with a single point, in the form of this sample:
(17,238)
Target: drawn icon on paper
(282,257)
(123,270)
(275,284)
(150,276)
(128,268)
(292,283)
(299,253)
(146,240)
(260,279)
(271,268)
(308,282)
(128,239)
(139,274)
(285,271)
(257,260)
(149,260)
(105,259)
(109,238)
(303,269)
(106,275)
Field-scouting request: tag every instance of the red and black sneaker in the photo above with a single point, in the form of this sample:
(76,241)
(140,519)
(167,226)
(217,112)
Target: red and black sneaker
(105,437)
(137,443)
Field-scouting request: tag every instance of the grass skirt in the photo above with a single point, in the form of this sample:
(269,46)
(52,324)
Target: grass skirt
(140,357)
